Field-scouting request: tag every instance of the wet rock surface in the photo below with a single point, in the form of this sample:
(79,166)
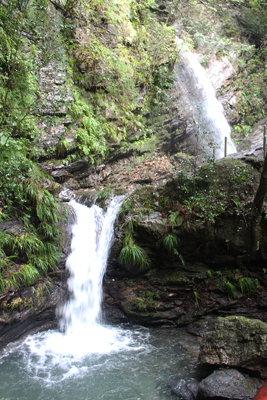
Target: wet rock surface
(129,172)
(179,289)
(34,312)
(218,384)
(170,298)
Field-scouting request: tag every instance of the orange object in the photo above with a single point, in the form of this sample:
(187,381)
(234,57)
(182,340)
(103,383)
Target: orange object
(262,393)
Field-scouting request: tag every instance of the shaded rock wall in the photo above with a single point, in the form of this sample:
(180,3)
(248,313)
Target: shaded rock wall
(35,308)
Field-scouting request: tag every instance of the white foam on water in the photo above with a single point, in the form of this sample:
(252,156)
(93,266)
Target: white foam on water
(98,340)
(54,357)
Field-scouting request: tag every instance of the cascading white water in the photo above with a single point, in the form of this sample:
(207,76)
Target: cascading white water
(211,125)
(91,240)
(80,316)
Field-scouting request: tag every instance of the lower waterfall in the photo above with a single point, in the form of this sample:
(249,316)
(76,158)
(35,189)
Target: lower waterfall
(85,359)
(81,315)
(81,332)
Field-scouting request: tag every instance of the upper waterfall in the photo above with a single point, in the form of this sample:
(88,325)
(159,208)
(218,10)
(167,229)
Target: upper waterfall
(211,125)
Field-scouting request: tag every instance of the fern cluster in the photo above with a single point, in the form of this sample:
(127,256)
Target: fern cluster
(245,285)
(90,134)
(33,249)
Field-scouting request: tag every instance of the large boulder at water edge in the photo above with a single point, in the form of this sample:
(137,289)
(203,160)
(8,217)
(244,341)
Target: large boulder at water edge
(237,341)
(185,390)
(222,384)
(227,384)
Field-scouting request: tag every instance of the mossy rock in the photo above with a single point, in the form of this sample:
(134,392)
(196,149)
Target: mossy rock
(228,176)
(237,341)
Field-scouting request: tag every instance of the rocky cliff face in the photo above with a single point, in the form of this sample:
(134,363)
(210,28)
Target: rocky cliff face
(170,122)
(208,268)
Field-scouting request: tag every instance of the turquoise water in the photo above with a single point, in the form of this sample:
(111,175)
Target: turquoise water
(140,368)
(86,360)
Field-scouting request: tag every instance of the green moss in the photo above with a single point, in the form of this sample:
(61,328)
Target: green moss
(212,191)
(248,326)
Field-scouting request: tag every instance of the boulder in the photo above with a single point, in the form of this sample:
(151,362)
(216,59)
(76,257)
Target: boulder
(227,384)
(237,341)
(185,390)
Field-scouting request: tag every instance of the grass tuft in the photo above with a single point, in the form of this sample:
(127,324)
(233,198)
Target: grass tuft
(170,243)
(246,285)
(230,289)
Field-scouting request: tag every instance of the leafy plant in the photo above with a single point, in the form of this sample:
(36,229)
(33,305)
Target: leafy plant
(104,194)
(197,298)
(28,274)
(174,218)
(33,249)
(209,273)
(133,254)
(63,148)
(170,243)
(42,289)
(127,207)
(16,304)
